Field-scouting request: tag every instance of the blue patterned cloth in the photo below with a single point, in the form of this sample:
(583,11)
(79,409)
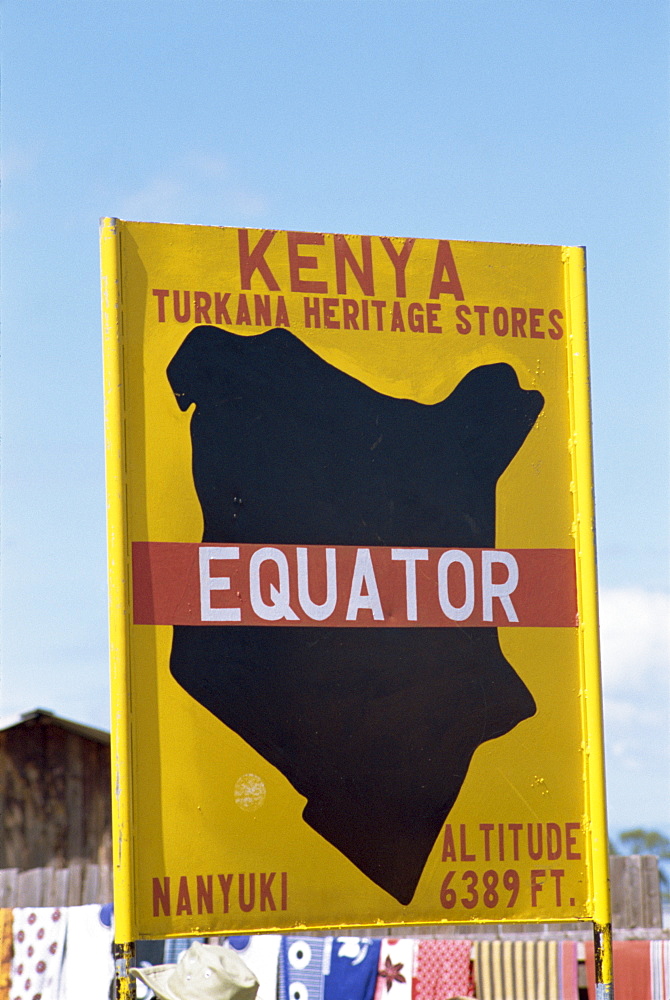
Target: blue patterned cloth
(352,972)
(301,968)
(175,946)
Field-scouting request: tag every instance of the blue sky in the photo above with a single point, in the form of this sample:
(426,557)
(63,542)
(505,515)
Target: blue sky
(511,120)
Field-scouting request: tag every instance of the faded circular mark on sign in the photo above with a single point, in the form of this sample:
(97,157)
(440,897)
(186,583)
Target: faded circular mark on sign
(249,792)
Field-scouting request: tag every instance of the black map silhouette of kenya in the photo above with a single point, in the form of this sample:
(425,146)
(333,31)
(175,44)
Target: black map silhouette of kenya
(376,727)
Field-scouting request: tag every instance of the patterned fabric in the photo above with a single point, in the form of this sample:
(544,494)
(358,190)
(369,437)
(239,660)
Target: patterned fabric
(6,949)
(632,970)
(39,938)
(88,963)
(396,969)
(301,968)
(660,969)
(261,953)
(526,970)
(442,970)
(175,946)
(350,968)
(568,984)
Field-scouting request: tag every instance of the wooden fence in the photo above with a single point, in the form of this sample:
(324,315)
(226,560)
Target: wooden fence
(636,891)
(636,900)
(72,886)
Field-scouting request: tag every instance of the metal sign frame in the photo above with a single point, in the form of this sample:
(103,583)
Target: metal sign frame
(124,318)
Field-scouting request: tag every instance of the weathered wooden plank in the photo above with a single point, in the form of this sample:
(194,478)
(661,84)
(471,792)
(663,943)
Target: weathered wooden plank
(106,885)
(618,891)
(54,804)
(8,886)
(635,890)
(90,892)
(48,893)
(75,884)
(30,887)
(55,801)
(75,799)
(96,803)
(635,907)
(651,891)
(56,893)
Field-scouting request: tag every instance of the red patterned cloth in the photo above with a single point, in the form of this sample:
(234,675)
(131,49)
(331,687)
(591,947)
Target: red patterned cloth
(39,937)
(442,970)
(632,970)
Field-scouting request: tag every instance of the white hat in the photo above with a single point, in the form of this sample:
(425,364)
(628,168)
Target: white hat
(203,972)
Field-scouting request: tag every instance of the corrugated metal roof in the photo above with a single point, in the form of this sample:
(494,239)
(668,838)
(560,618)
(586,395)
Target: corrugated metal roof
(38,714)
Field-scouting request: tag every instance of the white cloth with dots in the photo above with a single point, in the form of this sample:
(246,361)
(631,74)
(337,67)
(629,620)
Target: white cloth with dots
(39,939)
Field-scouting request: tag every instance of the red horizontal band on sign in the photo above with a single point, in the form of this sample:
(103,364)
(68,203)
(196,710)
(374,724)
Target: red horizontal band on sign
(348,586)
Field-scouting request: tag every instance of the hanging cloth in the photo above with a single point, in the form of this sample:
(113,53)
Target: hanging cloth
(526,970)
(301,968)
(659,953)
(351,971)
(39,940)
(6,949)
(442,970)
(88,961)
(396,969)
(261,953)
(632,970)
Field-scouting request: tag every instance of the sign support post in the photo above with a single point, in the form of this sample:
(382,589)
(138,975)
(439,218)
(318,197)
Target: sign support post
(579,376)
(124,952)
(124,959)
(602,940)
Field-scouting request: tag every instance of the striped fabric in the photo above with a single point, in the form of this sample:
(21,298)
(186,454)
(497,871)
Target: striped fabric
(173,948)
(659,957)
(526,970)
(301,964)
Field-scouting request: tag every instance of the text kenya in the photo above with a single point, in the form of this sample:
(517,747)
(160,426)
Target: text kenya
(305,275)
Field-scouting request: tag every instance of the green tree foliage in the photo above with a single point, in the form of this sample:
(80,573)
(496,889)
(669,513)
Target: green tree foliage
(640,841)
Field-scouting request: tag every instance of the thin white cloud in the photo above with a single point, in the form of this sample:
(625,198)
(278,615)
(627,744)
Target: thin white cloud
(17,162)
(635,639)
(209,166)
(640,715)
(160,200)
(198,189)
(635,650)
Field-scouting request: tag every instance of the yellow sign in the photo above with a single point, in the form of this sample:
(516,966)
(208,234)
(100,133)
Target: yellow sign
(353,614)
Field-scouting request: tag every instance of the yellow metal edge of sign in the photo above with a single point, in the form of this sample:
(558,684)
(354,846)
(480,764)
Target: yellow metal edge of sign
(581,447)
(117,575)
